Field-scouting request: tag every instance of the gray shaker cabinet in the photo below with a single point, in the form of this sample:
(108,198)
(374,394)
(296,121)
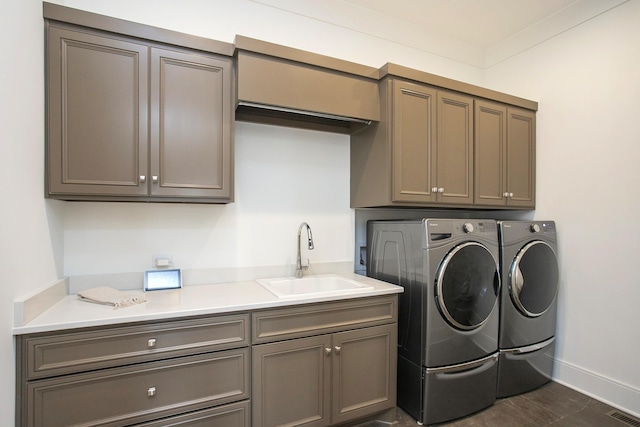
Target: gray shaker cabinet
(128,119)
(421,152)
(505,155)
(125,375)
(325,378)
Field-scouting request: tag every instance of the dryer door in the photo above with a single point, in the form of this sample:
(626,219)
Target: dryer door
(467,285)
(533,278)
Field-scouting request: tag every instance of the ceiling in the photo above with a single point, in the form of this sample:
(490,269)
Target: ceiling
(480,33)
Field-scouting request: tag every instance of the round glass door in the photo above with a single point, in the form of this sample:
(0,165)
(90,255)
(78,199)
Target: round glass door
(467,285)
(533,278)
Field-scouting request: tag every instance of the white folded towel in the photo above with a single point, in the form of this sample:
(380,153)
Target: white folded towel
(110,296)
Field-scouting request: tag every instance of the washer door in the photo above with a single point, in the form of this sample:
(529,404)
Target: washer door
(533,278)
(467,285)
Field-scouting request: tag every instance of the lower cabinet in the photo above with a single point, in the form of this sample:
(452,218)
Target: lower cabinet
(326,379)
(316,364)
(140,373)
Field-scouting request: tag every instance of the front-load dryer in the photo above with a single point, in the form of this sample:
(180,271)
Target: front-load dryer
(528,305)
(448,312)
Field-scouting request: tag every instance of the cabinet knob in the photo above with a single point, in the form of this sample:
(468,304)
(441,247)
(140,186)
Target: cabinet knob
(510,194)
(143,179)
(434,189)
(505,194)
(151,391)
(441,190)
(151,343)
(338,348)
(154,179)
(327,351)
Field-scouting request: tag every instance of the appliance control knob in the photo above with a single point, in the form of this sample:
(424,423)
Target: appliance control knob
(467,227)
(535,228)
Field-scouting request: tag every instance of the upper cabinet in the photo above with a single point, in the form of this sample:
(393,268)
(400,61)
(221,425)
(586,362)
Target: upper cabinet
(505,156)
(442,143)
(420,153)
(129,119)
(285,86)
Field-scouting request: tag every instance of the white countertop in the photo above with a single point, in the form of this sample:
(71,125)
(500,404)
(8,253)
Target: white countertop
(194,300)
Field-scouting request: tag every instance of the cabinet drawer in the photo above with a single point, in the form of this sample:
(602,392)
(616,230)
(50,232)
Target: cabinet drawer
(296,322)
(134,394)
(234,415)
(83,351)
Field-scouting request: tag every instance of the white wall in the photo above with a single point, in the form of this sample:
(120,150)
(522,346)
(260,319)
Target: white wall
(30,229)
(285,176)
(586,82)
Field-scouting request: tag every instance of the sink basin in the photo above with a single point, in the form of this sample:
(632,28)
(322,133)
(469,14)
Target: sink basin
(329,284)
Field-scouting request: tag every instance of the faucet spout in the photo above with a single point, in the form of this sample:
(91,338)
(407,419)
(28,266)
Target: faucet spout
(299,266)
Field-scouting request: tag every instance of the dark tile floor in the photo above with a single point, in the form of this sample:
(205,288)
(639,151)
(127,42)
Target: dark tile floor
(550,405)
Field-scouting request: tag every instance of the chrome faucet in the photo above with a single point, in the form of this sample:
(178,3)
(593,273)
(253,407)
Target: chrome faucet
(299,266)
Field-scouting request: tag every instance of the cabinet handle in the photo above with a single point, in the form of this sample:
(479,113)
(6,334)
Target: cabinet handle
(154,179)
(327,351)
(143,179)
(151,391)
(151,343)
(338,348)
(441,190)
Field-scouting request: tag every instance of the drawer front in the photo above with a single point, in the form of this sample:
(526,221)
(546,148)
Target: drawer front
(125,396)
(233,415)
(301,321)
(83,351)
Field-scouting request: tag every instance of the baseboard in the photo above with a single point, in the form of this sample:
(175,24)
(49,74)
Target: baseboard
(614,393)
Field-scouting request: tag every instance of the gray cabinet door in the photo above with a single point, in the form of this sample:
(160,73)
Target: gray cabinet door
(432,145)
(325,380)
(413,146)
(521,157)
(363,372)
(291,383)
(97,108)
(141,392)
(490,152)
(504,155)
(190,125)
(454,150)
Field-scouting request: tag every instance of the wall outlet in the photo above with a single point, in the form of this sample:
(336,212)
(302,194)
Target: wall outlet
(162,261)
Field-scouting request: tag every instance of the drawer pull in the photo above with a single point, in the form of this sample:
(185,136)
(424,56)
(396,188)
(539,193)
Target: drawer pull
(151,343)
(151,391)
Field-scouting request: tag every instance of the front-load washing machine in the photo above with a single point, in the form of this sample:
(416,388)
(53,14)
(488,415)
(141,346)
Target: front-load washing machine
(448,313)
(529,269)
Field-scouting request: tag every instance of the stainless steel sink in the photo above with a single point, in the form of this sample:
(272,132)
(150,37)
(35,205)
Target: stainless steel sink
(326,284)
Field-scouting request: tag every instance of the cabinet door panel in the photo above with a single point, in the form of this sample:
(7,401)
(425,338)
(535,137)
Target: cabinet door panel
(233,415)
(490,151)
(364,374)
(455,148)
(190,125)
(97,111)
(124,396)
(413,136)
(68,353)
(521,157)
(291,383)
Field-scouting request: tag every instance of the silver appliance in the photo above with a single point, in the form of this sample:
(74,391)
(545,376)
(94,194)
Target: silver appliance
(528,305)
(448,313)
